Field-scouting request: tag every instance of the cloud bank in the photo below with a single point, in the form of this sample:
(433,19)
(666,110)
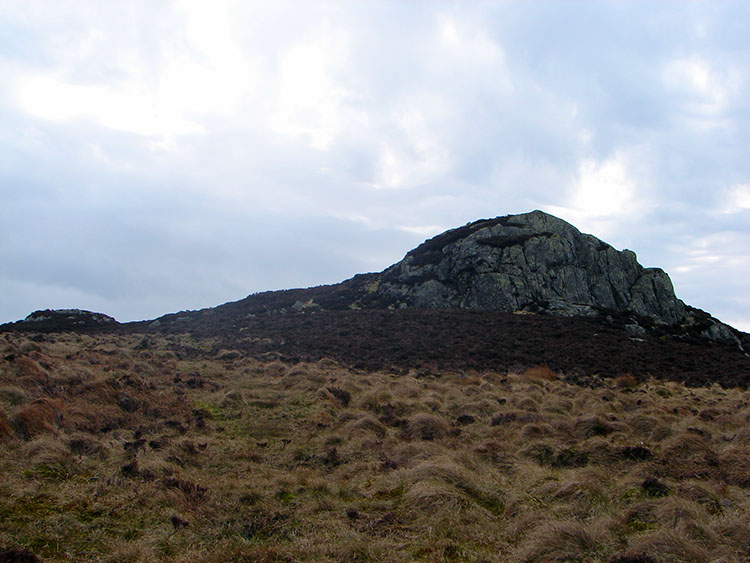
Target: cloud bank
(160,156)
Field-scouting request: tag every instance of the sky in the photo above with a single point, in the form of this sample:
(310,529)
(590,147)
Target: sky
(159,156)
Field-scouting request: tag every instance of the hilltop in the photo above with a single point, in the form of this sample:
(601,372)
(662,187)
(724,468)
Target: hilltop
(532,262)
(512,390)
(503,293)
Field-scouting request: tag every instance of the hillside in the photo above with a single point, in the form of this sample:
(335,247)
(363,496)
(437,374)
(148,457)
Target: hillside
(532,262)
(513,390)
(125,448)
(504,293)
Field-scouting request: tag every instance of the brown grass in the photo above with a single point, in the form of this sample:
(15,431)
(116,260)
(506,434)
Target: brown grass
(28,368)
(675,546)
(735,465)
(172,454)
(540,374)
(564,541)
(367,424)
(41,415)
(426,426)
(626,381)
(14,395)
(5,431)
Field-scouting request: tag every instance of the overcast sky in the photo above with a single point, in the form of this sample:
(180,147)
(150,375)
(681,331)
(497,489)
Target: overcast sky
(158,156)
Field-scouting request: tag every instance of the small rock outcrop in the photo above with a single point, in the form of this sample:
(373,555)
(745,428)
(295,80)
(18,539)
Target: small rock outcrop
(532,262)
(50,320)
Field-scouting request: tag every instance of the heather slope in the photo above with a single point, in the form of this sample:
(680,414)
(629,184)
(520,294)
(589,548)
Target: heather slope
(443,339)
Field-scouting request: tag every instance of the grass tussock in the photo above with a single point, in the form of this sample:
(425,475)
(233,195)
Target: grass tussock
(569,540)
(626,381)
(5,431)
(28,369)
(426,426)
(539,374)
(168,448)
(41,415)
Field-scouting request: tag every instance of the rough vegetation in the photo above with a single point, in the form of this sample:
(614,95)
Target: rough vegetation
(173,447)
(399,340)
(513,390)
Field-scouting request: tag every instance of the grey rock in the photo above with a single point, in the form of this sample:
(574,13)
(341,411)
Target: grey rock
(718,331)
(635,329)
(529,262)
(73,315)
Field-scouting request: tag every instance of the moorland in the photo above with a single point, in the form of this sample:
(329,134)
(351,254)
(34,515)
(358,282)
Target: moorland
(512,390)
(172,446)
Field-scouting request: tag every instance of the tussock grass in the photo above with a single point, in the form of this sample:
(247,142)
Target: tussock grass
(426,426)
(41,415)
(570,540)
(125,448)
(5,431)
(14,395)
(674,546)
(28,369)
(539,374)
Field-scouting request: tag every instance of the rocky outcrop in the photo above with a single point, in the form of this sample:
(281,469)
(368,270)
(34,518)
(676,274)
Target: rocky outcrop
(72,316)
(55,320)
(530,262)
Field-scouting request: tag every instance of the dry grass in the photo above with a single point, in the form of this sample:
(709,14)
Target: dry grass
(27,368)
(569,540)
(426,426)
(5,431)
(170,450)
(540,374)
(626,381)
(41,415)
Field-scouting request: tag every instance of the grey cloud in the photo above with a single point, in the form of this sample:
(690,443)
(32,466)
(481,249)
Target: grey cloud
(140,225)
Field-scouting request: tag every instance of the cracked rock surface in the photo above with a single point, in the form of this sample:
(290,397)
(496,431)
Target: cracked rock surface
(529,262)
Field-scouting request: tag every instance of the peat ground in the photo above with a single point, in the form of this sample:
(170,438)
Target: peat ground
(439,340)
(435,340)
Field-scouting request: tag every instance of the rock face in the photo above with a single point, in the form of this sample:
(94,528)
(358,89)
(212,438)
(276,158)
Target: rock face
(530,262)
